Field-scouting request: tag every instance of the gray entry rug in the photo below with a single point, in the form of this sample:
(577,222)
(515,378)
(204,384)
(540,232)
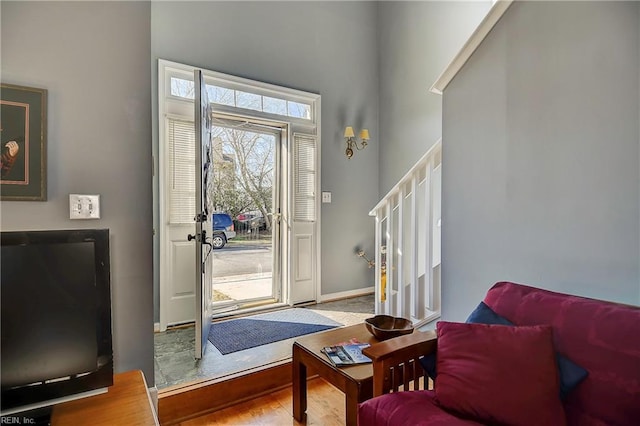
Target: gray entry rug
(257,330)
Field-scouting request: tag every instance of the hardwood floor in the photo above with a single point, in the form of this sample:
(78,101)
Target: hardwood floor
(325,407)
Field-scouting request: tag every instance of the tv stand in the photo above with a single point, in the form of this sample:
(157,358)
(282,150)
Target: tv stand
(126,403)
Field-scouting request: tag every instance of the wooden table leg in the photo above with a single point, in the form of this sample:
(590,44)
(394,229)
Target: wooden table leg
(299,386)
(352,398)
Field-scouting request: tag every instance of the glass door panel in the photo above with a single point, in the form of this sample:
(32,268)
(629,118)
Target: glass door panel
(245,181)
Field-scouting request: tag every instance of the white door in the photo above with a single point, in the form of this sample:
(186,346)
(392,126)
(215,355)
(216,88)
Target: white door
(204,215)
(297,222)
(303,243)
(177,274)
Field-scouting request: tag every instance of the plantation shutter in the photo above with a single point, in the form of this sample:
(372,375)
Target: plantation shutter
(304,260)
(181,136)
(304,197)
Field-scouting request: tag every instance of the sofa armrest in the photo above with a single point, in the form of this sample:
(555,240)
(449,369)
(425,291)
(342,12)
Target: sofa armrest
(395,362)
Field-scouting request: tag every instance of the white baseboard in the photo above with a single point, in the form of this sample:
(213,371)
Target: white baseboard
(153,393)
(156,327)
(346,294)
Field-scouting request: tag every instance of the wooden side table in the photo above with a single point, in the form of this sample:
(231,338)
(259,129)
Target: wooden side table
(126,403)
(355,381)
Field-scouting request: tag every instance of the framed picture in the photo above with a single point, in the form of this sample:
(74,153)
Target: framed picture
(23,132)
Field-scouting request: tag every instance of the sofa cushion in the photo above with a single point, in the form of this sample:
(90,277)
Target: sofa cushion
(483,314)
(415,408)
(600,336)
(498,375)
(571,374)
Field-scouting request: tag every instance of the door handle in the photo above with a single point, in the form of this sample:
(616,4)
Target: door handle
(206,241)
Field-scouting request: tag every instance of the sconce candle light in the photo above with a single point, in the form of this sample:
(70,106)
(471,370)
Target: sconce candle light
(352,142)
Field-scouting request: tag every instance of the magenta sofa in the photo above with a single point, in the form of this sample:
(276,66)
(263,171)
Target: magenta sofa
(602,337)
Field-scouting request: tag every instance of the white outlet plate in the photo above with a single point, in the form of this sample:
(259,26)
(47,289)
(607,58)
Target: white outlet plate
(326,196)
(84,206)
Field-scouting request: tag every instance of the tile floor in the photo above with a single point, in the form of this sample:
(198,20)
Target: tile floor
(175,364)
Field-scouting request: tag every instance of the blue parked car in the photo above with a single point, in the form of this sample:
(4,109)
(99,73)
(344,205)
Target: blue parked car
(223,230)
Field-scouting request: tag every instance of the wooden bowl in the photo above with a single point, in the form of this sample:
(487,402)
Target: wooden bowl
(385,327)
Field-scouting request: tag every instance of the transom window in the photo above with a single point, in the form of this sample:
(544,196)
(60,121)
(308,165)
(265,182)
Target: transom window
(183,88)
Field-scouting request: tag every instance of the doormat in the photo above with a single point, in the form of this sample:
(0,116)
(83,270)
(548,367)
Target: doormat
(257,330)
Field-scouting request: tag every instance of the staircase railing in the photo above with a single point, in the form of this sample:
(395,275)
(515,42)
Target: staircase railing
(407,235)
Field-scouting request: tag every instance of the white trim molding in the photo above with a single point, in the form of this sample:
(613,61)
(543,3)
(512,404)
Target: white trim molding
(493,16)
(346,294)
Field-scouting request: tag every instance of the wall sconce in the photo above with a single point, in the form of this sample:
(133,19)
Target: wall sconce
(352,142)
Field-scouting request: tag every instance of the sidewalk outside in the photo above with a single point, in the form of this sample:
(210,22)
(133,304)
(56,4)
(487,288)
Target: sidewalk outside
(238,287)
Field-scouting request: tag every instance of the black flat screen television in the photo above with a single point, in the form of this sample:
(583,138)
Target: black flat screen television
(56,341)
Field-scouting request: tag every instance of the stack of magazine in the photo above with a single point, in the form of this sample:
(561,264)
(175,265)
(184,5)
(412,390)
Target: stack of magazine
(346,354)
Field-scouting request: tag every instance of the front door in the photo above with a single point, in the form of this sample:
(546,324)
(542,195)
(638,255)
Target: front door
(203,237)
(277,229)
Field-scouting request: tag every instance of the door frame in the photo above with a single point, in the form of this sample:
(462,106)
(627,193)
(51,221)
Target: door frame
(279,130)
(184,109)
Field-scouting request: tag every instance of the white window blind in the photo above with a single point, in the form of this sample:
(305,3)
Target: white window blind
(304,197)
(182,192)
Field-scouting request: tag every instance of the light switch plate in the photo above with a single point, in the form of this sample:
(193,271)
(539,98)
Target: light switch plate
(326,196)
(84,206)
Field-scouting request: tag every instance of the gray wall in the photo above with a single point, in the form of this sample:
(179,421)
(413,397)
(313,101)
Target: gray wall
(416,41)
(322,47)
(93,58)
(541,162)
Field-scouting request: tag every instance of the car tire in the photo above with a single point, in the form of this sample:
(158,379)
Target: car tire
(218,241)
